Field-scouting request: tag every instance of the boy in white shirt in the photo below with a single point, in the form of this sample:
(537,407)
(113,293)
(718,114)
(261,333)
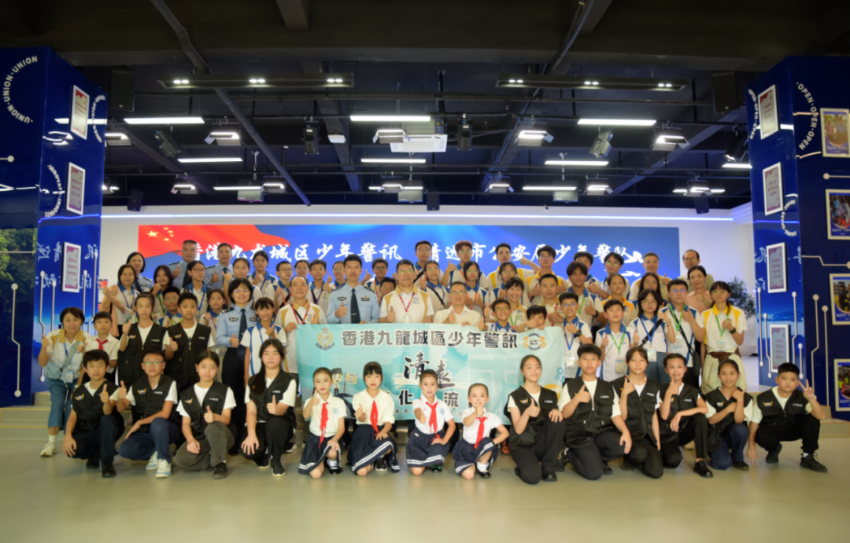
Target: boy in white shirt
(614,341)
(320,291)
(102,341)
(689,326)
(590,305)
(576,333)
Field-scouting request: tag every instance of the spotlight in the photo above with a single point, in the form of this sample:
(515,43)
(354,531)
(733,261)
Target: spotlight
(464,136)
(737,150)
(311,140)
(167,144)
(602,144)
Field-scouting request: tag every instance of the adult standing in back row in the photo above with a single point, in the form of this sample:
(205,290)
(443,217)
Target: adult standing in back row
(353,303)
(691,259)
(179,270)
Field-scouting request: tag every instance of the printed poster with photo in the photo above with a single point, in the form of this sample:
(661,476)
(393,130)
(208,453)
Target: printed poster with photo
(80,112)
(780,348)
(839,285)
(838,214)
(776,274)
(75,197)
(768,112)
(71,266)
(842,384)
(772,179)
(835,126)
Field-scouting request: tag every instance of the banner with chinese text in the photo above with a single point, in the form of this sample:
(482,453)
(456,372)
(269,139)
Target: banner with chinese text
(461,356)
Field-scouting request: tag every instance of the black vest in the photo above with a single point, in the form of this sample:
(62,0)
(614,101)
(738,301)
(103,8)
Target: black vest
(640,408)
(215,398)
(522,399)
(772,413)
(591,418)
(276,389)
(151,400)
(130,360)
(181,368)
(681,402)
(718,401)
(89,408)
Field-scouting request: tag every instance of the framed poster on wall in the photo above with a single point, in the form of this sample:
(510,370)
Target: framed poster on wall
(71,265)
(842,384)
(838,214)
(776,274)
(75,196)
(79,112)
(772,179)
(768,112)
(780,345)
(839,287)
(834,128)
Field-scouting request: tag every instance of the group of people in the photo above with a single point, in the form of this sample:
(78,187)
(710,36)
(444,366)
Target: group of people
(649,367)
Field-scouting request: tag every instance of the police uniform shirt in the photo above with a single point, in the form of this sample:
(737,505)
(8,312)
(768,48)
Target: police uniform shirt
(444,414)
(367,304)
(227,324)
(190,333)
(110,348)
(470,433)
(714,341)
(217,269)
(201,393)
(336,411)
(144,283)
(253,338)
(304,314)
(684,332)
(288,396)
(611,354)
(170,397)
(755,414)
(319,296)
(418,306)
(438,295)
(386,407)
(590,386)
(641,327)
(178,271)
(467,315)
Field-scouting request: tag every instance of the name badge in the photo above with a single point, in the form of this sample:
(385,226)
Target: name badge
(652,355)
(234,319)
(364,299)
(620,366)
(570,361)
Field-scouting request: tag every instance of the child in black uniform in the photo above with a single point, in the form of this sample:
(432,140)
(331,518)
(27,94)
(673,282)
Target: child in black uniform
(682,418)
(270,399)
(639,401)
(94,425)
(591,411)
(476,452)
(205,408)
(537,430)
(189,342)
(138,338)
(326,414)
(428,443)
(785,413)
(727,426)
(372,445)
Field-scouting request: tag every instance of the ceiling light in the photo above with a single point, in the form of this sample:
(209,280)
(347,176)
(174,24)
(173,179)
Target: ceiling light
(576,162)
(737,166)
(390,135)
(184,81)
(680,191)
(666,139)
(502,186)
(699,189)
(90,121)
(274,187)
(336,138)
(533,134)
(176,81)
(109,188)
(390,118)
(596,83)
(164,120)
(520,81)
(587,82)
(617,122)
(598,188)
(223,138)
(236,81)
(184,188)
(252,81)
(547,189)
(718,191)
(393,187)
(261,80)
(392,160)
(239,187)
(602,144)
(117,139)
(512,81)
(118,135)
(209,159)
(338,80)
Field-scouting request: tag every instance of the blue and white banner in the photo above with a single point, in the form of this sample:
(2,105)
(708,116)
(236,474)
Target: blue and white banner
(461,356)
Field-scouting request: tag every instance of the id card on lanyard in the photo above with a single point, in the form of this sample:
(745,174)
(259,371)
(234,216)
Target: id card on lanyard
(406,307)
(570,360)
(722,344)
(620,364)
(651,353)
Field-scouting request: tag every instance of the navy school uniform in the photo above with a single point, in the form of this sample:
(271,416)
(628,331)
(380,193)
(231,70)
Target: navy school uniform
(317,447)
(365,449)
(95,433)
(475,442)
(421,452)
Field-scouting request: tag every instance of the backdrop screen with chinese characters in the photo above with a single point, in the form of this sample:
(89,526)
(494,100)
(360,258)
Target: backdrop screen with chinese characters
(161,244)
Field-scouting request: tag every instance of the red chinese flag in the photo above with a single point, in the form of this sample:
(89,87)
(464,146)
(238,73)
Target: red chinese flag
(159,239)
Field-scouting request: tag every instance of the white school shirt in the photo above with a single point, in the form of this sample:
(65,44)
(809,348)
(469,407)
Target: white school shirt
(512,403)
(144,332)
(203,301)
(516,317)
(439,297)
(586,298)
(288,395)
(190,333)
(304,316)
(253,338)
(482,294)
(495,328)
(201,393)
(496,280)
(386,407)
(167,321)
(607,289)
(171,396)
(611,353)
(533,281)
(590,386)
(748,409)
(467,315)
(640,328)
(456,276)
(550,309)
(110,347)
(444,414)
(684,332)
(572,341)
(470,433)
(336,411)
(319,297)
(756,414)
(128,298)
(713,337)
(418,306)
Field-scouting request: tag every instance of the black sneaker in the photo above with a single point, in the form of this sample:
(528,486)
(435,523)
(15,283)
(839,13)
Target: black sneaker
(107,470)
(485,474)
(606,469)
(549,477)
(277,468)
(220,471)
(264,463)
(743,466)
(439,468)
(93,463)
(811,462)
(628,464)
(381,465)
(701,469)
(562,460)
(289,447)
(773,456)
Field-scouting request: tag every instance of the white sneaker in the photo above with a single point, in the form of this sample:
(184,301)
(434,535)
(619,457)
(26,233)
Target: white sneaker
(49,449)
(153,463)
(163,469)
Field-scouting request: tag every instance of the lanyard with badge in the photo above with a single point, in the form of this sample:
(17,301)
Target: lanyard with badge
(406,318)
(721,343)
(67,366)
(128,304)
(203,296)
(298,318)
(681,340)
(515,315)
(434,290)
(620,364)
(651,353)
(571,361)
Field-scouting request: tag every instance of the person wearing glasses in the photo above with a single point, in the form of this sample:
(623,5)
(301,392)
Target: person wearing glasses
(691,259)
(458,313)
(374,280)
(406,304)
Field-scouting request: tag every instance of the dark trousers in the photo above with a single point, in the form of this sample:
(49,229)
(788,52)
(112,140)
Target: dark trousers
(695,430)
(99,443)
(732,447)
(646,455)
(233,375)
(162,434)
(806,428)
(541,457)
(271,436)
(588,460)
(217,439)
